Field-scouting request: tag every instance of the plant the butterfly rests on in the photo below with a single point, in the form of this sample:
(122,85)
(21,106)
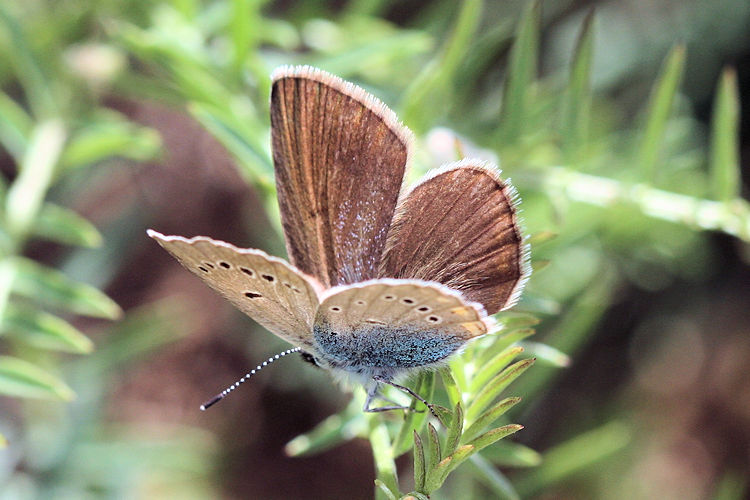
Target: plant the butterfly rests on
(383,281)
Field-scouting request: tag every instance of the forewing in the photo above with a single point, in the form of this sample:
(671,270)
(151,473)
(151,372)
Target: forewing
(459,227)
(339,156)
(390,323)
(265,288)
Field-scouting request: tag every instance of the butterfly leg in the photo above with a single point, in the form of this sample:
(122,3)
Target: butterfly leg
(413,394)
(372,393)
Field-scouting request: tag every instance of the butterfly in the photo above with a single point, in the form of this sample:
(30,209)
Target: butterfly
(382,280)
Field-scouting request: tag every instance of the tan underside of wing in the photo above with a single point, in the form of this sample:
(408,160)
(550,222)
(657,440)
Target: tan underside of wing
(265,288)
(459,227)
(339,156)
(408,305)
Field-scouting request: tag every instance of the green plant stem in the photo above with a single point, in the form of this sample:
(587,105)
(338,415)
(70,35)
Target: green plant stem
(732,217)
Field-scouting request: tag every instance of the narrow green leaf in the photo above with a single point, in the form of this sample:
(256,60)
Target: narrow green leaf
(110,138)
(724,161)
(62,225)
(493,478)
(510,454)
(15,126)
(419,462)
(457,458)
(546,354)
(436,475)
(36,84)
(659,110)
(574,455)
(488,418)
(492,367)
(451,387)
(521,73)
(576,103)
(385,466)
(494,435)
(331,432)
(434,82)
(385,489)
(538,239)
(27,192)
(454,430)
(496,386)
(433,449)
(22,379)
(50,287)
(414,421)
(43,330)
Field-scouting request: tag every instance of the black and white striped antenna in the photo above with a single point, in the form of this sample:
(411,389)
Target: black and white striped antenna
(208,404)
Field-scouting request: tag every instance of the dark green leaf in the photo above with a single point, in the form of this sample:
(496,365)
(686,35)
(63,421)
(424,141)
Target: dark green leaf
(454,430)
(419,462)
(451,387)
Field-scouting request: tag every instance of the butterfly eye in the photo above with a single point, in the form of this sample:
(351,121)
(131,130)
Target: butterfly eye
(424,309)
(225,265)
(335,309)
(252,295)
(434,319)
(247,271)
(407,300)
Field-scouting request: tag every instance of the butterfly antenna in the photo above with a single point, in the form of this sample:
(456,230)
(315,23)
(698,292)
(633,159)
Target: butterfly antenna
(208,404)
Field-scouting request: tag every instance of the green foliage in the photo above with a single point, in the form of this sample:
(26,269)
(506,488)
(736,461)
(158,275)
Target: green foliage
(608,202)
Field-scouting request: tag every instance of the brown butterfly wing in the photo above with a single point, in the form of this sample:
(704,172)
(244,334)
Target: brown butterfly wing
(339,156)
(265,288)
(459,227)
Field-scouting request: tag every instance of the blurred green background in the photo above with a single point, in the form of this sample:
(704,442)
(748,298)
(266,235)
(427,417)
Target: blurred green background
(623,125)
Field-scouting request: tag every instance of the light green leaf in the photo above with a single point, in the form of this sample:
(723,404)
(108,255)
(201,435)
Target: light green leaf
(492,367)
(510,454)
(493,478)
(659,110)
(520,76)
(26,194)
(451,387)
(15,126)
(576,103)
(110,138)
(724,163)
(492,436)
(385,489)
(22,379)
(488,418)
(50,287)
(546,354)
(62,225)
(434,82)
(43,330)
(385,466)
(414,421)
(331,432)
(575,455)
(496,386)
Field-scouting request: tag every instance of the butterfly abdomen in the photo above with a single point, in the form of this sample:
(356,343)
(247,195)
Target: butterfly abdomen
(386,347)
